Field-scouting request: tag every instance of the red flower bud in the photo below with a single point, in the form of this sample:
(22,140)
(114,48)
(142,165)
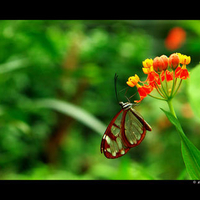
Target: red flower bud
(174,61)
(160,63)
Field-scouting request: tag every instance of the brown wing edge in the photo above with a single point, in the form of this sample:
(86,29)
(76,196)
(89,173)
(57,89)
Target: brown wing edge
(140,118)
(146,126)
(110,156)
(108,132)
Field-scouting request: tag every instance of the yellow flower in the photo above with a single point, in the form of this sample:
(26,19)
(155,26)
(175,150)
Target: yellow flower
(147,70)
(147,66)
(133,80)
(147,63)
(185,60)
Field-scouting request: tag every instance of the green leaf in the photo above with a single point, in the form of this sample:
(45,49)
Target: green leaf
(13,65)
(193,90)
(191,155)
(73,111)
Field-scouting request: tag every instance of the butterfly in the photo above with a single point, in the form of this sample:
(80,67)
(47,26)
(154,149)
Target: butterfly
(126,130)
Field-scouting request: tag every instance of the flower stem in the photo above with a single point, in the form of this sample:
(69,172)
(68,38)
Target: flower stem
(177,88)
(181,133)
(174,83)
(169,101)
(166,81)
(162,86)
(159,90)
(157,97)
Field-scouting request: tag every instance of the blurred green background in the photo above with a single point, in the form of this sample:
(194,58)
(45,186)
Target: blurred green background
(57,98)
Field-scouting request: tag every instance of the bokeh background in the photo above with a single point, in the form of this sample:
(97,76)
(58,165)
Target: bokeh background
(57,97)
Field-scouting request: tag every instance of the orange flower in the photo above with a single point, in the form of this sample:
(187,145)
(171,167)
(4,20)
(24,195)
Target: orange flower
(143,91)
(175,38)
(152,78)
(182,73)
(168,74)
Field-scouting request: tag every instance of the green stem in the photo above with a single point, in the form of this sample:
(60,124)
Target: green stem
(171,108)
(159,91)
(169,101)
(162,86)
(166,84)
(157,97)
(190,154)
(177,88)
(174,84)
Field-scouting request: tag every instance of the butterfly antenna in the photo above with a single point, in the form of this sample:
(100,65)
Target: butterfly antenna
(115,82)
(131,97)
(125,94)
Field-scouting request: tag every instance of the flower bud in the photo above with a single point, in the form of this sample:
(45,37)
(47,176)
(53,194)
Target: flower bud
(174,61)
(160,63)
(165,60)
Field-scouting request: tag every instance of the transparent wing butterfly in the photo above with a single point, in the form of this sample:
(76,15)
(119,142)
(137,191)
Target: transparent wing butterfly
(126,130)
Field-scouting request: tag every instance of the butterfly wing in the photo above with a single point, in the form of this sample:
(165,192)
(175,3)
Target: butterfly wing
(112,144)
(126,130)
(134,129)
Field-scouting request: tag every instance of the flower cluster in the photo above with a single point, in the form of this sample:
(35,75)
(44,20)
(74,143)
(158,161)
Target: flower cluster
(163,74)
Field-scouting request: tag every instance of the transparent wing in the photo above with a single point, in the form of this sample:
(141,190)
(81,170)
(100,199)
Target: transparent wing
(112,144)
(126,130)
(135,128)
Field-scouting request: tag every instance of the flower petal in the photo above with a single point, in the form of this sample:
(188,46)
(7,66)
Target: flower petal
(169,75)
(144,91)
(184,74)
(177,72)
(133,80)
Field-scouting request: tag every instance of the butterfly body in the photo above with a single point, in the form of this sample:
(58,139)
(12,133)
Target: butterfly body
(126,130)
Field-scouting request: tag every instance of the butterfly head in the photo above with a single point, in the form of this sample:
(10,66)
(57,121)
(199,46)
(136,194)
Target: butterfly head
(125,106)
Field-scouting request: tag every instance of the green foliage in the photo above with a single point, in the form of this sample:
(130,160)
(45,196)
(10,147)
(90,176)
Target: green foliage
(193,90)
(190,153)
(73,111)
